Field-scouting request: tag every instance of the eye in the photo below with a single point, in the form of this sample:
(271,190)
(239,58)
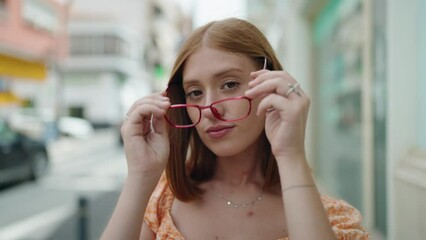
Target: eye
(193,93)
(231,84)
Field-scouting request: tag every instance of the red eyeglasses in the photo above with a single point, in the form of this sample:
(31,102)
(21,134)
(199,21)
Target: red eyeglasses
(227,110)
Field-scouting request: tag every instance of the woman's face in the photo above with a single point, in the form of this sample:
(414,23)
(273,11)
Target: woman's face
(211,75)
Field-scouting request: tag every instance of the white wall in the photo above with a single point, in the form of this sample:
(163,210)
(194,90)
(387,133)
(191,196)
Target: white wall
(208,10)
(298,62)
(99,95)
(128,12)
(421,33)
(402,84)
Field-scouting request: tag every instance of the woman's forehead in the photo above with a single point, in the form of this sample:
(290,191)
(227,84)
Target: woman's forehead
(208,62)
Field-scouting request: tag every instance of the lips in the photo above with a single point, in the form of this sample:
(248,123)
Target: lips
(218,131)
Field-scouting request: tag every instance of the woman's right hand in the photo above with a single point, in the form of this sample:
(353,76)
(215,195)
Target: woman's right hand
(145,137)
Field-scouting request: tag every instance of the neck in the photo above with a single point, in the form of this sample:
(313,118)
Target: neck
(242,169)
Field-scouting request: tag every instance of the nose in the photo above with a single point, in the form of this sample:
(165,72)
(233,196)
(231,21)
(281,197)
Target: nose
(211,112)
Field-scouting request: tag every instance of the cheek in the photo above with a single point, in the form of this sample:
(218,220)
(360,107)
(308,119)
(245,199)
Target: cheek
(255,121)
(254,106)
(194,114)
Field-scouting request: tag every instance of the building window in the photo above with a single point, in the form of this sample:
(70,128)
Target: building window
(40,15)
(99,45)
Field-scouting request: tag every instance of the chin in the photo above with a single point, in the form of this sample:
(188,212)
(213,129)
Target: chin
(226,148)
(234,144)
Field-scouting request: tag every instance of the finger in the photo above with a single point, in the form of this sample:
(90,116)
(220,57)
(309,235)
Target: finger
(272,101)
(144,112)
(141,124)
(281,103)
(255,74)
(159,125)
(275,85)
(261,76)
(294,90)
(155,102)
(272,74)
(151,99)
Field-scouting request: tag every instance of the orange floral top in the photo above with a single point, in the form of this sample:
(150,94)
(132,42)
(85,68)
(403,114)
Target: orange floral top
(345,219)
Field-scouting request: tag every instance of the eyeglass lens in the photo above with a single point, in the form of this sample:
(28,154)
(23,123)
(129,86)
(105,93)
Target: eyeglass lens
(226,110)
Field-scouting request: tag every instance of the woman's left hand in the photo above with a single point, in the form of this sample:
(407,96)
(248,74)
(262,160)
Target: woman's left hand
(286,111)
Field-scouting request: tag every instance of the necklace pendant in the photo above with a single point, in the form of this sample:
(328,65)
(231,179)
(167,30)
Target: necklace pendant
(238,205)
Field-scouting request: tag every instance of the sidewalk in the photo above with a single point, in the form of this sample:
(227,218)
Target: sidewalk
(54,211)
(67,148)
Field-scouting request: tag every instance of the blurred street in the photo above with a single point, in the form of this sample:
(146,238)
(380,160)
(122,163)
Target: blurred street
(89,170)
(71,69)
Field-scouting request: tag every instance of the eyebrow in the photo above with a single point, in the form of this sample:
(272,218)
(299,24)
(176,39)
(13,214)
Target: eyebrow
(219,74)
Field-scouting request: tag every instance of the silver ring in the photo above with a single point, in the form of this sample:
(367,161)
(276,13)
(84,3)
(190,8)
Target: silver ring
(293,88)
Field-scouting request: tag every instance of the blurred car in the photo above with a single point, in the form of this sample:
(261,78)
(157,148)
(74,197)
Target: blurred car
(21,157)
(34,123)
(75,127)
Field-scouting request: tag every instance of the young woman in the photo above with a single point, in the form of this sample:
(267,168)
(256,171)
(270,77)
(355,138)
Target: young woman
(220,154)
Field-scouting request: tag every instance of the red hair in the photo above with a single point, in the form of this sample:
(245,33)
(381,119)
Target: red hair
(191,162)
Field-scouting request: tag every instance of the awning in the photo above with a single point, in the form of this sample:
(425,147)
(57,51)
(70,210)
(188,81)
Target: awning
(7,98)
(19,68)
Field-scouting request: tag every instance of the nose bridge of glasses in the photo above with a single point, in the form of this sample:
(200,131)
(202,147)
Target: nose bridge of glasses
(213,109)
(210,100)
(229,109)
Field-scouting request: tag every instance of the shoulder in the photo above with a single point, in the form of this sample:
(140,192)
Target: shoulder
(337,207)
(344,218)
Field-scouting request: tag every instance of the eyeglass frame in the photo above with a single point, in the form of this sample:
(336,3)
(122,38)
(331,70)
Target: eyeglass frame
(213,109)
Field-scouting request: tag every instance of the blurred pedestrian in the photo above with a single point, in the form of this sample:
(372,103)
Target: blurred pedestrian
(220,154)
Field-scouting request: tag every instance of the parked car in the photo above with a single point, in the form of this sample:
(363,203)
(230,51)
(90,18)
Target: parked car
(34,123)
(75,127)
(21,157)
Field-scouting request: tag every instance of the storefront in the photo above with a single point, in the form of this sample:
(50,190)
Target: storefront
(406,148)
(14,69)
(19,68)
(33,40)
(365,61)
(348,91)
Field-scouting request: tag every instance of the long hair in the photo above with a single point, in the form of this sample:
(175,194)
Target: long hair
(191,162)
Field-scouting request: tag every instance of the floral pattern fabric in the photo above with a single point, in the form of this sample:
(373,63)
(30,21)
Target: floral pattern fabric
(345,219)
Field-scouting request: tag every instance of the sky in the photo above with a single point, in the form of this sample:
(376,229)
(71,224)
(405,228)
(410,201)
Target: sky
(204,11)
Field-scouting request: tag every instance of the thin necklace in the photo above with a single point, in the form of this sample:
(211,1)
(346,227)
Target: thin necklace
(235,204)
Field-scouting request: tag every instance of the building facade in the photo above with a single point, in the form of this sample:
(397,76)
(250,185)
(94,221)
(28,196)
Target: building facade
(33,40)
(362,62)
(105,73)
(166,27)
